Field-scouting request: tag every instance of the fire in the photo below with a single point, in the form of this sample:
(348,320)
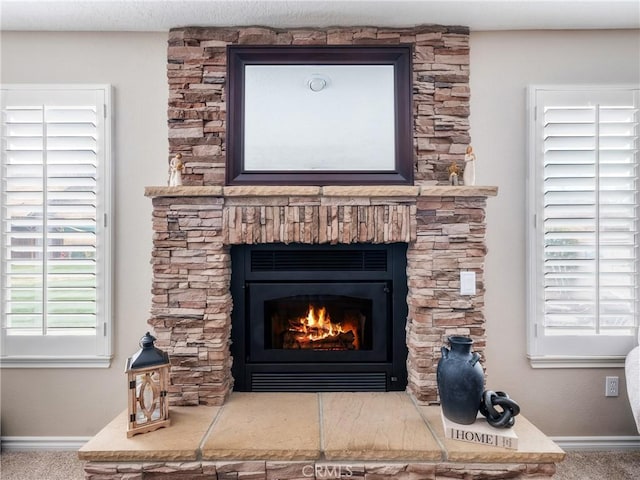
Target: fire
(317,325)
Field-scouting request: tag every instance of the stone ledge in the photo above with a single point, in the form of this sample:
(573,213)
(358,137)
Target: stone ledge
(533,445)
(371,191)
(350,434)
(271,191)
(461,191)
(290,430)
(178,442)
(183,191)
(344,427)
(323,191)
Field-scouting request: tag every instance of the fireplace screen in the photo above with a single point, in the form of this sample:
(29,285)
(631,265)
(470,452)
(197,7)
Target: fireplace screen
(318,322)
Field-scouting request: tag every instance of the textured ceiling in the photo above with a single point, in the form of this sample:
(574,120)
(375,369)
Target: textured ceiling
(161,15)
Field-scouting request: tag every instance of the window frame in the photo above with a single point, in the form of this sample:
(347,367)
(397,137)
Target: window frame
(97,350)
(561,351)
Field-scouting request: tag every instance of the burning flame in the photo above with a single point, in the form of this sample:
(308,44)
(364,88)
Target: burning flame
(317,325)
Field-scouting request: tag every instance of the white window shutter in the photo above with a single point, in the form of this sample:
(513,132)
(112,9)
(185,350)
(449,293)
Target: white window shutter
(583,194)
(55,246)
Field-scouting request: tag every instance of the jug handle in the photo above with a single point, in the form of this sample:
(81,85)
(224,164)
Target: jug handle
(474,359)
(445,352)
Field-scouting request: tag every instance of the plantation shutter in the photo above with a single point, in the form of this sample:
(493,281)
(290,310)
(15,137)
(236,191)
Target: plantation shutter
(54,205)
(587,225)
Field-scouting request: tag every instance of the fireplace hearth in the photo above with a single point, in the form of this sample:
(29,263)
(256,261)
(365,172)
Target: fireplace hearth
(319,318)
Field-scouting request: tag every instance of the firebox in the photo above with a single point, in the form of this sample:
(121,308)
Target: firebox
(319,318)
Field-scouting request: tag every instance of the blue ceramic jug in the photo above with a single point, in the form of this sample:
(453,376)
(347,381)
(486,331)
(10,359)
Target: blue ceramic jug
(460,381)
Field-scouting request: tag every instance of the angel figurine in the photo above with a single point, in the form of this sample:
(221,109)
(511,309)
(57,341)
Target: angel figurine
(469,174)
(454,172)
(176,169)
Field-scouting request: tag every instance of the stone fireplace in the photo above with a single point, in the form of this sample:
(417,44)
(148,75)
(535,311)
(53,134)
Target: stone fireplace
(321,288)
(198,227)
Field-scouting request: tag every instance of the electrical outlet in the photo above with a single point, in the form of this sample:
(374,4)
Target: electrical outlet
(611,387)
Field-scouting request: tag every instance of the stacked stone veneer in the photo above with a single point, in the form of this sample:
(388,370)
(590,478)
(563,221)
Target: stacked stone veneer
(261,470)
(197,73)
(195,226)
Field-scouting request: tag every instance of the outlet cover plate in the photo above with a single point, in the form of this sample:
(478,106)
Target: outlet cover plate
(467,283)
(611,387)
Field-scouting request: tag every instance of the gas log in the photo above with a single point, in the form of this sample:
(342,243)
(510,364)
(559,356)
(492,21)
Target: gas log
(339,341)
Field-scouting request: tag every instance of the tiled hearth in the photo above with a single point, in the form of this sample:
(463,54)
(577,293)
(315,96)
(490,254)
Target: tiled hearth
(308,435)
(312,435)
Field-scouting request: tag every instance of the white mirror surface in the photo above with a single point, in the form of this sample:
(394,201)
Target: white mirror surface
(319,117)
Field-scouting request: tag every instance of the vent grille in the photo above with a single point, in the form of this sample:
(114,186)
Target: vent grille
(319,382)
(319,260)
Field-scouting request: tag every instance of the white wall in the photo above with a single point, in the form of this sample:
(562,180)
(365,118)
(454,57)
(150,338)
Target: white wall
(79,402)
(563,402)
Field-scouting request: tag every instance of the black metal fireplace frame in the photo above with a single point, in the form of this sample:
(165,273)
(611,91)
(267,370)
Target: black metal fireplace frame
(382,266)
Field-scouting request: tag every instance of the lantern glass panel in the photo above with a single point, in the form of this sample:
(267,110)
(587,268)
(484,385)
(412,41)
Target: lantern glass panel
(148,397)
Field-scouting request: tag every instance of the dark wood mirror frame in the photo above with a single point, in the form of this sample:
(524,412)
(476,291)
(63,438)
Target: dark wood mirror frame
(240,56)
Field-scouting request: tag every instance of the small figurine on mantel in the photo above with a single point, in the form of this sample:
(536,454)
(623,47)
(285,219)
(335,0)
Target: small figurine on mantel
(469,174)
(454,172)
(176,169)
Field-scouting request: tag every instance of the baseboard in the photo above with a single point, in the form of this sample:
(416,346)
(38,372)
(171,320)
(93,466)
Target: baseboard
(570,444)
(576,444)
(24,444)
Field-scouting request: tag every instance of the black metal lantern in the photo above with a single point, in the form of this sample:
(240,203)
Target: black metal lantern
(148,375)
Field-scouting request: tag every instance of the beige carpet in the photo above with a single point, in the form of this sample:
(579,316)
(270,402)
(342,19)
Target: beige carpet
(40,466)
(599,466)
(66,466)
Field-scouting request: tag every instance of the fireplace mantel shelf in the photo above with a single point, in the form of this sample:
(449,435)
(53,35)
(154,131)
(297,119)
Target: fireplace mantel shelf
(323,191)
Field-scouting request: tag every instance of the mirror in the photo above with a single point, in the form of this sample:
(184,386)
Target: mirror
(319,115)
